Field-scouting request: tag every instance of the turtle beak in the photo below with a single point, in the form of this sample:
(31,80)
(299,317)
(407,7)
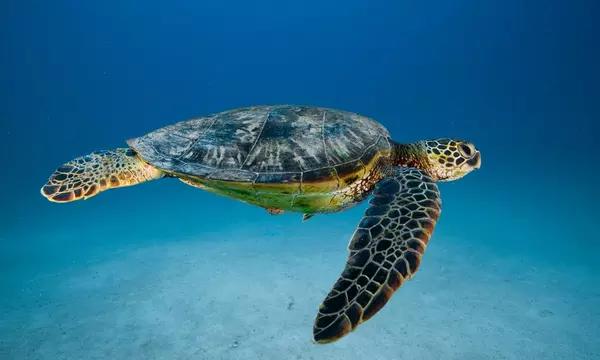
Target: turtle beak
(475,161)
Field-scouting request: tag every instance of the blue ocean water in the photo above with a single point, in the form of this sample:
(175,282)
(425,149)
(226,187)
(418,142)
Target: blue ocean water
(166,271)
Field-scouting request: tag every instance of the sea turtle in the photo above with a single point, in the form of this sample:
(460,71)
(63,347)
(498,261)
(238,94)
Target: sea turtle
(302,159)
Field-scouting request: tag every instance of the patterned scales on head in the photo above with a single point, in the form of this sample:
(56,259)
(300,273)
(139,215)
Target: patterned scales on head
(278,157)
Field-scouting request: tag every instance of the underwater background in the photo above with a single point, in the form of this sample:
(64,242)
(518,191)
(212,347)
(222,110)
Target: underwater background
(166,271)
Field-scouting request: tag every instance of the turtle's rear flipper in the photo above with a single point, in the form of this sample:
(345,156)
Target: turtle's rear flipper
(307,216)
(88,175)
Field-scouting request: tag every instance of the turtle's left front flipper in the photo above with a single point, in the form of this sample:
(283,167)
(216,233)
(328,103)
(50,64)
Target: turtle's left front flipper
(88,175)
(385,251)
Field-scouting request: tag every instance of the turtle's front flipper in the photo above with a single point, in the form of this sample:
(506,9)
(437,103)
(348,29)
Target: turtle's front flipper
(385,251)
(88,175)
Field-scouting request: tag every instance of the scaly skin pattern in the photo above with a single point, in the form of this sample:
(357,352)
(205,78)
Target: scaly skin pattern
(385,251)
(389,242)
(88,175)
(448,159)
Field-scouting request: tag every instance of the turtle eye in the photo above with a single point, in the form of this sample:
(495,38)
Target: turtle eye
(466,150)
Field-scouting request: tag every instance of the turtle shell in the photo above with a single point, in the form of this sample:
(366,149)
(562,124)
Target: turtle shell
(267,144)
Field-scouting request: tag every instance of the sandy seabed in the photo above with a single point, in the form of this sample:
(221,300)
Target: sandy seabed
(256,299)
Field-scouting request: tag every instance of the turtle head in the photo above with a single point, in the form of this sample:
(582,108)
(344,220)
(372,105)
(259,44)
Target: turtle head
(450,159)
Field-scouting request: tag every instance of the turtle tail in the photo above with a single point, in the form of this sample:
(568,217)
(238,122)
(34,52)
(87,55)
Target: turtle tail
(88,175)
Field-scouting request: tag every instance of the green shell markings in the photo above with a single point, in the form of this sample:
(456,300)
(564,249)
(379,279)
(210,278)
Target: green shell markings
(299,159)
(279,157)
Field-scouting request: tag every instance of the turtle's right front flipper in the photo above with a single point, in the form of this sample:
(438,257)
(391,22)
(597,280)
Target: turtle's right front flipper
(88,175)
(385,251)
